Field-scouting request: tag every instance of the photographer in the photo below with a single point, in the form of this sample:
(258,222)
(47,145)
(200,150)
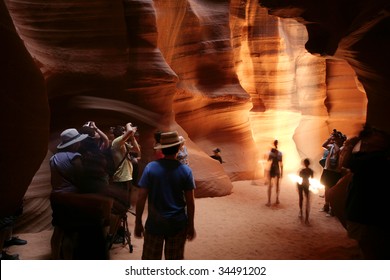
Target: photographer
(331,172)
(124,143)
(96,134)
(366,209)
(121,146)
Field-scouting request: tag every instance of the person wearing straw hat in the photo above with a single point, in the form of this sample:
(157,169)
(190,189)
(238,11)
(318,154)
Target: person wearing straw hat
(217,155)
(66,165)
(79,215)
(169,187)
(182,155)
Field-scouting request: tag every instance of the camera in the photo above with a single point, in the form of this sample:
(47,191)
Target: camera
(338,134)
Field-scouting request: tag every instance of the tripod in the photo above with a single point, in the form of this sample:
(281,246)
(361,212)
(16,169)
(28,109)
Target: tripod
(122,228)
(127,233)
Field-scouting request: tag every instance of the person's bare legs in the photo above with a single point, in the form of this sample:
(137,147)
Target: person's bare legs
(307,208)
(300,193)
(269,190)
(277,190)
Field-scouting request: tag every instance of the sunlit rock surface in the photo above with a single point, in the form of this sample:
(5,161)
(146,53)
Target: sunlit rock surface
(223,73)
(356,32)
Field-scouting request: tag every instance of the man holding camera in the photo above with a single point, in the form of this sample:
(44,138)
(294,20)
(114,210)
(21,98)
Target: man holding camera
(123,143)
(331,172)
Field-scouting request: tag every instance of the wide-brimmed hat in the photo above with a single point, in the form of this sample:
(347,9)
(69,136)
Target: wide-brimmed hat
(169,139)
(69,137)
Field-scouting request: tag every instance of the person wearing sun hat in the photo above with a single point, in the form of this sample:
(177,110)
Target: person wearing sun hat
(182,155)
(79,217)
(169,187)
(65,165)
(217,155)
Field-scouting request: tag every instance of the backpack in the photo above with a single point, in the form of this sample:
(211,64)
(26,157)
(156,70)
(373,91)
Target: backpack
(110,164)
(111,168)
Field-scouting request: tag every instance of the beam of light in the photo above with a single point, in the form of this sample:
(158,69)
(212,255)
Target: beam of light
(315,185)
(295,178)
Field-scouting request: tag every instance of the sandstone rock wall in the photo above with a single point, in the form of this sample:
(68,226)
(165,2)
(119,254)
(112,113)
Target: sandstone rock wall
(24,115)
(223,73)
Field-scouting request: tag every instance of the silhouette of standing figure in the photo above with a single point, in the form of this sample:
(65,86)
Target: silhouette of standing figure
(303,188)
(275,172)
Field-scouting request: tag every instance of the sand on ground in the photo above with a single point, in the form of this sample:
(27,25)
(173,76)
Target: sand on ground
(241,227)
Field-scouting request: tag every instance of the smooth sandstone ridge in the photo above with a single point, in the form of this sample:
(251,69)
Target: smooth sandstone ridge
(228,74)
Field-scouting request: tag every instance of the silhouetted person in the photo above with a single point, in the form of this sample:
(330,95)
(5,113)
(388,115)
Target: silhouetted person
(157,152)
(367,208)
(331,172)
(303,189)
(78,227)
(182,155)
(275,172)
(217,155)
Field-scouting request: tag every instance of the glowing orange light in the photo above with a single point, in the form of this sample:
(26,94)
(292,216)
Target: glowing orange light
(314,187)
(295,178)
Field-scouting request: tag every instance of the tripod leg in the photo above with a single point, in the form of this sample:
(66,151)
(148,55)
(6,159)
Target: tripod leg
(127,239)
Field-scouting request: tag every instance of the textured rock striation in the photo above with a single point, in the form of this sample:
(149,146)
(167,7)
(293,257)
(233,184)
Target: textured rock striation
(223,73)
(24,118)
(354,31)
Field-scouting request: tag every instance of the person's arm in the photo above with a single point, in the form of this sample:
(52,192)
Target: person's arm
(103,136)
(189,196)
(129,131)
(346,152)
(135,146)
(141,201)
(129,136)
(281,166)
(281,169)
(327,142)
(336,148)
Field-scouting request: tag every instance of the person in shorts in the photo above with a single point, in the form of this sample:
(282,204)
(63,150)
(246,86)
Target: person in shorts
(168,185)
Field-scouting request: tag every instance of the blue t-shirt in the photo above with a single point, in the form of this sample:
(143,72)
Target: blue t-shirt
(166,180)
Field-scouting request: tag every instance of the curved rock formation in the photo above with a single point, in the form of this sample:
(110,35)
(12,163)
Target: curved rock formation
(223,73)
(24,118)
(355,31)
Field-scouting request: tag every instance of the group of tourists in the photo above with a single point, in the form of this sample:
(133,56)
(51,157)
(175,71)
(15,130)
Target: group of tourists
(355,170)
(89,161)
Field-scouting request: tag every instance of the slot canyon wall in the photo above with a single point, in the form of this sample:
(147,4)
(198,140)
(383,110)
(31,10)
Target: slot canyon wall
(223,73)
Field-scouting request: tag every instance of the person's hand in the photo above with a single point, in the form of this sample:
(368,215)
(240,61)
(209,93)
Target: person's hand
(130,128)
(92,124)
(139,230)
(191,234)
